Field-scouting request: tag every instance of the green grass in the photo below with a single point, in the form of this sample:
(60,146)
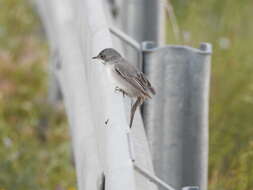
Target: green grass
(34,141)
(231,141)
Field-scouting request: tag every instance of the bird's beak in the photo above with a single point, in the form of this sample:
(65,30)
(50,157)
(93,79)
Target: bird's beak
(96,57)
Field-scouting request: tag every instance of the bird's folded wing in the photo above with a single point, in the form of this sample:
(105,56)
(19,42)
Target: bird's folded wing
(132,79)
(143,79)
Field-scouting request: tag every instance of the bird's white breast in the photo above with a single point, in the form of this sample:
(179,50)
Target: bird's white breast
(117,80)
(111,74)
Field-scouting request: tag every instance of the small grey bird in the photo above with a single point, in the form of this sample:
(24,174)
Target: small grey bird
(128,79)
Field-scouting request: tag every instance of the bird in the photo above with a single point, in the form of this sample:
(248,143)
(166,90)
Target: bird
(128,79)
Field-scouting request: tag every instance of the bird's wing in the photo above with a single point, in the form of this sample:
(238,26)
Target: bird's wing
(145,82)
(134,77)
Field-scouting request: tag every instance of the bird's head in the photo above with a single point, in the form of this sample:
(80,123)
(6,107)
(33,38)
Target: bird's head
(108,55)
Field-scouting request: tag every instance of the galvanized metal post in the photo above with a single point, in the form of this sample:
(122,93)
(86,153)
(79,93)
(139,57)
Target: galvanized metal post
(176,119)
(191,188)
(143,20)
(54,91)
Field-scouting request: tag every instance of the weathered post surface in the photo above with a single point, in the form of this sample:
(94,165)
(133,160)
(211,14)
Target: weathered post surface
(99,148)
(176,119)
(77,30)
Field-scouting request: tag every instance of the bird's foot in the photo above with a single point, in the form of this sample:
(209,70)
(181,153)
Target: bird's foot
(117,89)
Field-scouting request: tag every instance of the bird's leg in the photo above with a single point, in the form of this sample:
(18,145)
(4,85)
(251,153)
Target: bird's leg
(117,89)
(123,93)
(138,102)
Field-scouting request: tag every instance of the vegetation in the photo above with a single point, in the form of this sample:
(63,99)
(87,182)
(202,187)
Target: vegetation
(228,26)
(34,141)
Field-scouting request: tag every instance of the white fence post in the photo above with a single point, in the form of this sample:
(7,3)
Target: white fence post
(79,31)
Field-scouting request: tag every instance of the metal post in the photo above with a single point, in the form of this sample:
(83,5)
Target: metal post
(152,178)
(125,38)
(142,20)
(176,118)
(191,188)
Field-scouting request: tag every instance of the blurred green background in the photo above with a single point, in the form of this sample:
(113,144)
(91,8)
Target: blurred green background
(34,141)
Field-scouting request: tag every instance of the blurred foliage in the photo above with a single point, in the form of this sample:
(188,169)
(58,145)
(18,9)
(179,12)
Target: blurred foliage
(228,26)
(34,143)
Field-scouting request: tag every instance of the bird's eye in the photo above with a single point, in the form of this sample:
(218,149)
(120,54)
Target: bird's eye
(102,56)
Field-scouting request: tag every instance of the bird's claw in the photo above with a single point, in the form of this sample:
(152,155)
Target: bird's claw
(117,89)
